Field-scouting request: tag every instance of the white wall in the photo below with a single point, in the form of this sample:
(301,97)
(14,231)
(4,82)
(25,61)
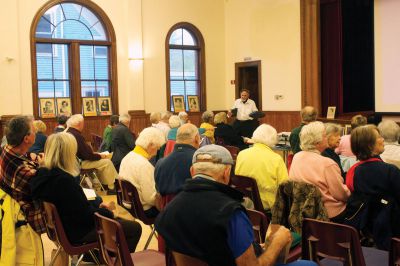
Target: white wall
(158,17)
(268,30)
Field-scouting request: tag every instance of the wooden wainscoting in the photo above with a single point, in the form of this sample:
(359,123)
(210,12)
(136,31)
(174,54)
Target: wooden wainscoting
(282,120)
(139,121)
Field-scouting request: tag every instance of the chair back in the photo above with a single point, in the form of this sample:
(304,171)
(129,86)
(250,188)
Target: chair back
(233,150)
(56,233)
(131,202)
(260,225)
(248,186)
(96,141)
(331,240)
(113,246)
(394,252)
(185,260)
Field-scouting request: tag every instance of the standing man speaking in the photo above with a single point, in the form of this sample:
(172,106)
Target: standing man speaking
(244,125)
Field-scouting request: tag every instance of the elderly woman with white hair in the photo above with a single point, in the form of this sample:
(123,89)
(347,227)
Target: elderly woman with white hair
(311,167)
(263,164)
(174,123)
(136,168)
(333,136)
(390,131)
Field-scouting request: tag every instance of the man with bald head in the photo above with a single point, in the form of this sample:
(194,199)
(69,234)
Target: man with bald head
(308,114)
(172,171)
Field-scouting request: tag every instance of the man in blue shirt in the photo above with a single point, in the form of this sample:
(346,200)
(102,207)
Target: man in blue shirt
(207,221)
(171,172)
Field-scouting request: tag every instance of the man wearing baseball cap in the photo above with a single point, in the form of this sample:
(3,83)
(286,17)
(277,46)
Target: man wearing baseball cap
(207,221)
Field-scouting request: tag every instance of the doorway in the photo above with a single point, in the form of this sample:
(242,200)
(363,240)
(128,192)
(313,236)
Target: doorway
(248,76)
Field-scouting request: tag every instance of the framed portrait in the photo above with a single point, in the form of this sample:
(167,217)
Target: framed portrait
(89,106)
(193,101)
(330,114)
(104,105)
(47,108)
(178,102)
(347,129)
(64,106)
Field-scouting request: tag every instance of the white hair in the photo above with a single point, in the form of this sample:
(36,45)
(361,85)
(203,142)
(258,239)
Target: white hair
(389,130)
(332,128)
(150,135)
(186,133)
(124,118)
(265,134)
(182,114)
(165,115)
(75,120)
(310,135)
(174,121)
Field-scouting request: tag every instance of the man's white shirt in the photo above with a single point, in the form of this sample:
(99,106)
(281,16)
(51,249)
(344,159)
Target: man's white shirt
(244,109)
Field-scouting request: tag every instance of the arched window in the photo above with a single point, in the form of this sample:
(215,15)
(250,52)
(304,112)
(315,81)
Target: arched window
(73,60)
(185,64)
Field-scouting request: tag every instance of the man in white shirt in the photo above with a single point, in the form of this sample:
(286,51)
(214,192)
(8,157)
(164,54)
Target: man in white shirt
(244,125)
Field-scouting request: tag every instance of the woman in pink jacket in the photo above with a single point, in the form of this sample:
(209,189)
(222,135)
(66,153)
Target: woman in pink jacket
(311,167)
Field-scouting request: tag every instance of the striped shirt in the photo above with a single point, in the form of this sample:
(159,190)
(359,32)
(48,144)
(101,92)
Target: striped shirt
(15,173)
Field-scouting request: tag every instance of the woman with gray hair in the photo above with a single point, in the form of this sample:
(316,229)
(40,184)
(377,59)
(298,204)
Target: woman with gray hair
(136,168)
(333,136)
(207,124)
(310,167)
(174,123)
(390,131)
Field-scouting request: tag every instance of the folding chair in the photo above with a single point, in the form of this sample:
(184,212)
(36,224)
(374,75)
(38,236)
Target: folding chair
(56,233)
(131,202)
(114,248)
(329,243)
(88,175)
(248,186)
(394,252)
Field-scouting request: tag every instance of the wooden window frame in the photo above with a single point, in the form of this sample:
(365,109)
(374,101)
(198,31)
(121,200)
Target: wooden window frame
(73,46)
(200,47)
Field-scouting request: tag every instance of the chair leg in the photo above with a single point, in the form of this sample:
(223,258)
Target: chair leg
(153,231)
(55,255)
(79,260)
(101,185)
(94,257)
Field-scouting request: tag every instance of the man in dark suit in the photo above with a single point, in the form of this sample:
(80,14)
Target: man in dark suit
(122,140)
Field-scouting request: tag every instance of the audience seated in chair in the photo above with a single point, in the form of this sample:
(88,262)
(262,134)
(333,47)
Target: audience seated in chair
(163,124)
(172,171)
(40,140)
(390,131)
(333,137)
(226,132)
(310,167)
(89,159)
(107,138)
(55,183)
(213,225)
(375,187)
(308,114)
(136,168)
(122,140)
(344,148)
(62,120)
(263,164)
(18,169)
(208,118)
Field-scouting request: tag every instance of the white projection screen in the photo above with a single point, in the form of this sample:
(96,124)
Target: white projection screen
(387,55)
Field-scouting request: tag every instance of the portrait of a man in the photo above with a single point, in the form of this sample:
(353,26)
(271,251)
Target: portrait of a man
(179,103)
(47,107)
